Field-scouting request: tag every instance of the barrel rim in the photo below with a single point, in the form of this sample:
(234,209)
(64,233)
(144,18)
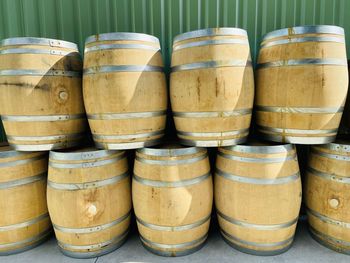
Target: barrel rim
(308,29)
(214,31)
(81,155)
(171,152)
(337,146)
(282,148)
(122,36)
(13,41)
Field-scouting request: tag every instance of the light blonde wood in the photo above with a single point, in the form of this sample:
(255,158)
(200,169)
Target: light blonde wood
(214,89)
(42,95)
(329,196)
(172,206)
(85,208)
(120,92)
(344,128)
(260,201)
(301,86)
(22,201)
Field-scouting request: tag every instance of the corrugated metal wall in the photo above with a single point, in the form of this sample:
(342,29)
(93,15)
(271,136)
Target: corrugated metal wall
(74,20)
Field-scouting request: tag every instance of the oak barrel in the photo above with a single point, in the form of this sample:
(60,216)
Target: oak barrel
(125,91)
(302,82)
(24,220)
(327,192)
(257,197)
(212,87)
(41,101)
(89,200)
(172,197)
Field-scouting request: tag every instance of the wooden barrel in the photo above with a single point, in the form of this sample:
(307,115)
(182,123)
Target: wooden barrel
(172,197)
(212,87)
(89,201)
(125,92)
(24,220)
(327,192)
(344,128)
(258,197)
(302,82)
(41,101)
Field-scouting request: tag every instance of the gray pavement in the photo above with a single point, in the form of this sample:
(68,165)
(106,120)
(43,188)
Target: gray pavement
(304,250)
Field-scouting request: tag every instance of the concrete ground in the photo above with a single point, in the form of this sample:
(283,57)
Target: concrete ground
(304,250)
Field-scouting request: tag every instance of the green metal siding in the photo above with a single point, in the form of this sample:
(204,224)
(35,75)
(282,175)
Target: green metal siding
(74,20)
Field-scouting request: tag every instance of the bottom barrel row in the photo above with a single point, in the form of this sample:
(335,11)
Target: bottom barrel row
(257,192)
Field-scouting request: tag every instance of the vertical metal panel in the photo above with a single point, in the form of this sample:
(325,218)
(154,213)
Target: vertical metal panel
(74,20)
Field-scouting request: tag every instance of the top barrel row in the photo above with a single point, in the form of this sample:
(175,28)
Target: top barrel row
(301,88)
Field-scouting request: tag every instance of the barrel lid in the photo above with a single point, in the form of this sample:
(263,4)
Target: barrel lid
(82,154)
(38,41)
(170,152)
(311,29)
(220,31)
(122,36)
(260,148)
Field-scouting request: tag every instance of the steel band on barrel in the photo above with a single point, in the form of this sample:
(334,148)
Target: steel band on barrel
(79,156)
(256,244)
(87,185)
(306,61)
(212,114)
(211,42)
(303,40)
(45,138)
(120,46)
(174,246)
(328,176)
(18,41)
(38,51)
(128,136)
(86,164)
(299,30)
(35,118)
(32,242)
(35,72)
(24,161)
(23,181)
(223,31)
(174,228)
(25,224)
(94,246)
(92,229)
(213,134)
(128,145)
(329,241)
(306,110)
(122,68)
(331,156)
(215,142)
(296,131)
(264,181)
(327,219)
(126,115)
(180,183)
(172,162)
(212,64)
(259,160)
(171,152)
(256,226)
(261,149)
(122,36)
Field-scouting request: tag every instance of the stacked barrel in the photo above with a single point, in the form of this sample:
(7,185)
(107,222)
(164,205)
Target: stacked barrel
(82,189)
